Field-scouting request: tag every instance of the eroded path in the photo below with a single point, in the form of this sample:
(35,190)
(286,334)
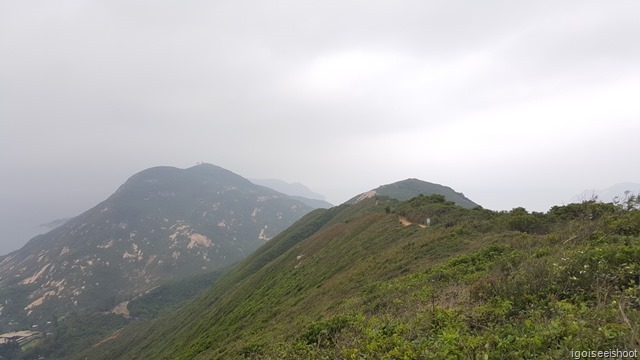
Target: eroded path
(405,222)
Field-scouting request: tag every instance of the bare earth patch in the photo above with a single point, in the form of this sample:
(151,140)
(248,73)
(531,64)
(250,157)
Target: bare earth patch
(405,222)
(121,309)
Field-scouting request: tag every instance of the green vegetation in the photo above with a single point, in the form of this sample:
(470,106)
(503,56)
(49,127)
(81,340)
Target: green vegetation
(80,330)
(70,335)
(352,282)
(169,297)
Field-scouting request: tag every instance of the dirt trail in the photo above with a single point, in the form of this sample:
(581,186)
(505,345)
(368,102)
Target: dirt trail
(405,222)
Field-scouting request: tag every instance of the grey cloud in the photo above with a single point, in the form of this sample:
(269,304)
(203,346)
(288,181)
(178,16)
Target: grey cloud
(342,96)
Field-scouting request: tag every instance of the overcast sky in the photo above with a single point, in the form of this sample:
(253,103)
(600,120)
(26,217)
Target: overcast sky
(513,103)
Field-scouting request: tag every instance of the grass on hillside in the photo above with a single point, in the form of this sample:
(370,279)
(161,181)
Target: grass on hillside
(475,284)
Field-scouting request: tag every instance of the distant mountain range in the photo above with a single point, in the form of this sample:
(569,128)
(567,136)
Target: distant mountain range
(162,224)
(55,223)
(607,194)
(409,188)
(368,280)
(407,270)
(123,256)
(296,190)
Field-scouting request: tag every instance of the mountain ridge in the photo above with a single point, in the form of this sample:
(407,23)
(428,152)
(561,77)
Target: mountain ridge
(162,224)
(358,281)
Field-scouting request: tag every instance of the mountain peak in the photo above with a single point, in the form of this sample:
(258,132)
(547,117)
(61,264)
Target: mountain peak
(163,223)
(412,187)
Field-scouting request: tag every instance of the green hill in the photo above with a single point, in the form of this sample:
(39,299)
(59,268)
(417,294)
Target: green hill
(410,188)
(163,224)
(360,281)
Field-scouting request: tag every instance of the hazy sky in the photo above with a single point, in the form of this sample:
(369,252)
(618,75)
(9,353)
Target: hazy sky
(513,103)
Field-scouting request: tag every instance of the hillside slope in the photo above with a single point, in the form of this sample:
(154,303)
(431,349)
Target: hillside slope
(356,282)
(163,224)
